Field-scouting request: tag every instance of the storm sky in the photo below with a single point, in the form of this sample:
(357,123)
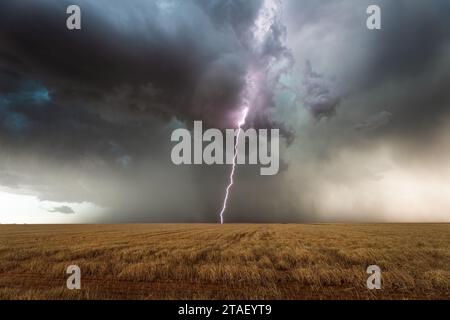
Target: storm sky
(86,116)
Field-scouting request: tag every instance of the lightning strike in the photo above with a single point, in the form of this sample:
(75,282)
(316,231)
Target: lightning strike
(227,193)
(266,18)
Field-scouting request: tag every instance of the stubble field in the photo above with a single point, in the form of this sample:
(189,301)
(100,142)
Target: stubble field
(225,262)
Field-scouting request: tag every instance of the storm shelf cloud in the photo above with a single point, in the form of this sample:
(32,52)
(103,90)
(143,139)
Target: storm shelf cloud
(87,115)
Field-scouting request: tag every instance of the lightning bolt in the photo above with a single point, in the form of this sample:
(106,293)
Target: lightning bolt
(227,193)
(262,27)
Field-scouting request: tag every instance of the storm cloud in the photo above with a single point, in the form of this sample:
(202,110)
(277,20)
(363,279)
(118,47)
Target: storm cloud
(63,210)
(86,116)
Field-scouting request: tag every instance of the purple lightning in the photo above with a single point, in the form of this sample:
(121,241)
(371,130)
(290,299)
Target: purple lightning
(266,18)
(227,193)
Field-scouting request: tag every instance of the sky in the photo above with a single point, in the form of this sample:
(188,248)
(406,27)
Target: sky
(86,116)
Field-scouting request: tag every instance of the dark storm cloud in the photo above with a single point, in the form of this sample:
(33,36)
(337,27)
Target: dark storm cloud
(319,96)
(105,84)
(87,115)
(415,35)
(183,59)
(392,88)
(411,53)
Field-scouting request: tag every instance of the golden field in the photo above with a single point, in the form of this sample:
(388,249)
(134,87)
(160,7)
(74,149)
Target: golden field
(225,262)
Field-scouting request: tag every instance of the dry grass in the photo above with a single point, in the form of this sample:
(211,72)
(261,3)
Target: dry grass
(225,262)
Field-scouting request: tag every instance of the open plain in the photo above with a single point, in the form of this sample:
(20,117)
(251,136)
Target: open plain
(194,261)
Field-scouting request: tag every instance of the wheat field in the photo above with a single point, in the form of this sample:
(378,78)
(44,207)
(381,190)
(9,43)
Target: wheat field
(225,262)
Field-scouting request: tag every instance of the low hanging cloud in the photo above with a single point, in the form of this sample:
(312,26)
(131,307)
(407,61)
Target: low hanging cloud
(63,210)
(320,96)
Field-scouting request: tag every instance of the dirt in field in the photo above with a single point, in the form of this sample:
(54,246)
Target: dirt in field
(225,262)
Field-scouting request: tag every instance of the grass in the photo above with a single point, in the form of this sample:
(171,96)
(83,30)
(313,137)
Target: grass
(225,262)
